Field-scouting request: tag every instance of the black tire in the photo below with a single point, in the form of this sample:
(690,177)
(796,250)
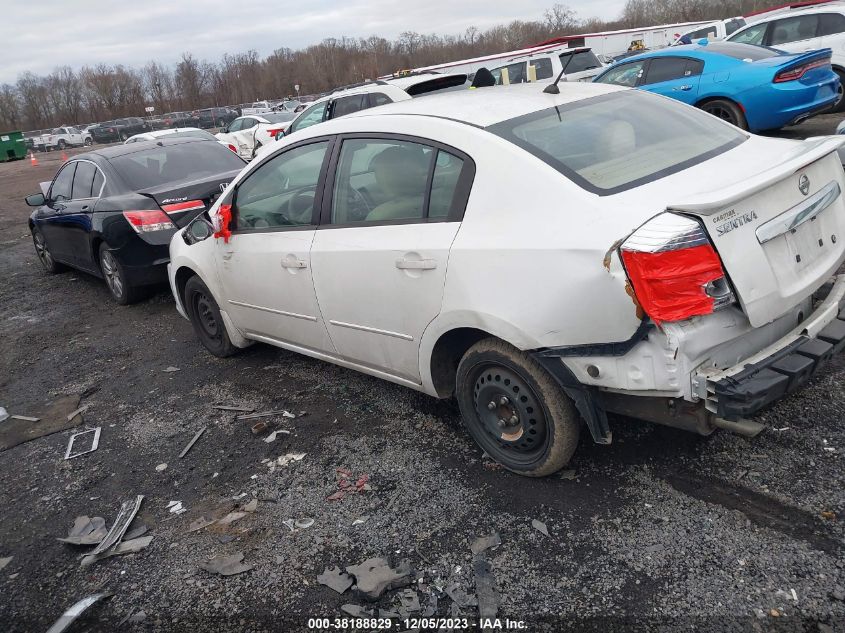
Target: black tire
(88,142)
(123,136)
(115,277)
(727,111)
(43,253)
(61,144)
(221,123)
(839,106)
(205,316)
(542,433)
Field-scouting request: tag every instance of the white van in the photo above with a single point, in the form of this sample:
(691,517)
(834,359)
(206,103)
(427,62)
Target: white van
(576,64)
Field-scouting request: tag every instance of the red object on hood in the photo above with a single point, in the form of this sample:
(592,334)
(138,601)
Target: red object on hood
(225,212)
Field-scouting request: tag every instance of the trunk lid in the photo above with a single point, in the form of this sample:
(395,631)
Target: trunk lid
(183,201)
(780,233)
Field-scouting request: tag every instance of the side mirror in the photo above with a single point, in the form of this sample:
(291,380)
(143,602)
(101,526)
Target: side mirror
(36,200)
(199,230)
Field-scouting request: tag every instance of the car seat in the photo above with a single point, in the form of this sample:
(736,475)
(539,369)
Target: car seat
(401,174)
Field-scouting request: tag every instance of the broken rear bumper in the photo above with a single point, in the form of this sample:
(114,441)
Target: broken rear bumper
(781,368)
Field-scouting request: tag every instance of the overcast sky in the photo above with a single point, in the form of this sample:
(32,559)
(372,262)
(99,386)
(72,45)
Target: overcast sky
(39,35)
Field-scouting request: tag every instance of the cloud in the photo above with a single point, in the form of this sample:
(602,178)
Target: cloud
(51,33)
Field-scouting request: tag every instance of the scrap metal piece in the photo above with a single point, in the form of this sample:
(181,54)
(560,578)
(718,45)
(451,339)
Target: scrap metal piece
(335,579)
(128,510)
(485,588)
(262,414)
(26,418)
(94,444)
(124,547)
(227,407)
(410,602)
(460,597)
(67,618)
(80,410)
(374,576)
(86,531)
(485,542)
(192,442)
(357,611)
(226,565)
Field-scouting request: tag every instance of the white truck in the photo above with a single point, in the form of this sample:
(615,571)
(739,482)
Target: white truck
(68,136)
(259,107)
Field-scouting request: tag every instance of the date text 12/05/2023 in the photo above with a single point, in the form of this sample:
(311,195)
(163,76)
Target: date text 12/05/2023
(330,624)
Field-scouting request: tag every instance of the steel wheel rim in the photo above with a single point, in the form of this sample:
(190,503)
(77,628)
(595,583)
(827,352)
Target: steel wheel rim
(205,317)
(112,274)
(42,250)
(511,418)
(723,113)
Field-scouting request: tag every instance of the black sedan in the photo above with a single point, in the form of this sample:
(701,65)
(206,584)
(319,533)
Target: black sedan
(112,212)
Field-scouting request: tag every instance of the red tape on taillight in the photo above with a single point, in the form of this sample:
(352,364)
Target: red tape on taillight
(274,131)
(188,205)
(674,270)
(148,220)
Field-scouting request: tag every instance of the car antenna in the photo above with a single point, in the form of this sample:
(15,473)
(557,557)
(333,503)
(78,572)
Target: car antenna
(552,89)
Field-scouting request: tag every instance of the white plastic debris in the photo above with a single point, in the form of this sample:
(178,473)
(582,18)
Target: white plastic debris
(171,369)
(176,507)
(288,458)
(95,442)
(161,467)
(3,414)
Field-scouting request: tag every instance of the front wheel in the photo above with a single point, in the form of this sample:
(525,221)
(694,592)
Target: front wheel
(61,144)
(115,276)
(88,142)
(727,111)
(205,316)
(514,409)
(839,106)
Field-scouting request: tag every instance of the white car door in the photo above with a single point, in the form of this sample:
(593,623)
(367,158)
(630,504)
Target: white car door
(265,267)
(795,34)
(832,31)
(381,252)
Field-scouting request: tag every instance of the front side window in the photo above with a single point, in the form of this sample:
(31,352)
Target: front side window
(618,141)
(236,125)
(248,124)
(623,75)
(83,181)
(63,184)
(281,192)
(309,117)
(752,35)
(802,27)
(348,105)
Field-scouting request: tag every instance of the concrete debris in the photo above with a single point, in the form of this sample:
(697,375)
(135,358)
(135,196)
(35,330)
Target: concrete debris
(540,526)
(95,442)
(227,407)
(135,532)
(410,602)
(67,618)
(335,579)
(86,531)
(252,506)
(226,565)
(827,514)
(24,418)
(568,475)
(5,561)
(161,467)
(176,507)
(485,542)
(79,411)
(127,513)
(124,547)
(288,414)
(171,369)
(192,442)
(374,576)
(485,588)
(4,415)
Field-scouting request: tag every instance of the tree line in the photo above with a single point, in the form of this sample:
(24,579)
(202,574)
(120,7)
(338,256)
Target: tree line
(103,91)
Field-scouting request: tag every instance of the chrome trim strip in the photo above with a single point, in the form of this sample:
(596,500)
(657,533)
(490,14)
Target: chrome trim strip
(372,330)
(271,310)
(800,213)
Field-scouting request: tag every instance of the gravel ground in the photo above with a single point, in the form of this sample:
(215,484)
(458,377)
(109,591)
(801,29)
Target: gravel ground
(662,530)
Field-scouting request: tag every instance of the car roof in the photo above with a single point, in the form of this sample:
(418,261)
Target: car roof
(116,151)
(483,107)
(832,7)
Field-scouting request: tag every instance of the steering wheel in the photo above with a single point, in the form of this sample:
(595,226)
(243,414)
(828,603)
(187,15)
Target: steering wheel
(359,207)
(302,203)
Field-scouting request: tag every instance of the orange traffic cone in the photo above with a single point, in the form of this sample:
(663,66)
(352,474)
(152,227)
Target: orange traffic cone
(64,156)
(32,160)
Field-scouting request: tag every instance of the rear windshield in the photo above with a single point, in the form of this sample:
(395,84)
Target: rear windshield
(192,134)
(579,62)
(742,51)
(170,163)
(279,117)
(618,141)
(446,83)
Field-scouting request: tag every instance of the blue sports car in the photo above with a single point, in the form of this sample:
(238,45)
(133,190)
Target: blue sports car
(753,87)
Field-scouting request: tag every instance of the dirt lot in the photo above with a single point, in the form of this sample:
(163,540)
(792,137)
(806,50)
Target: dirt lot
(662,530)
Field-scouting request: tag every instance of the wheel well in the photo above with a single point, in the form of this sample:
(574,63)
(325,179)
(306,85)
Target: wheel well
(95,248)
(709,99)
(447,353)
(182,277)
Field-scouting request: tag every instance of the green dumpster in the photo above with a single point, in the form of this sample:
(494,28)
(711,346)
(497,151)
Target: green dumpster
(12,146)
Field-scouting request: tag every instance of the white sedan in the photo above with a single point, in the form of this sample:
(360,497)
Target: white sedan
(249,133)
(176,132)
(545,258)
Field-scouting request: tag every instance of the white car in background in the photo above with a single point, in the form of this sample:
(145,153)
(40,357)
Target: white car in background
(259,107)
(370,94)
(714,31)
(69,136)
(176,132)
(576,64)
(803,29)
(247,134)
(662,264)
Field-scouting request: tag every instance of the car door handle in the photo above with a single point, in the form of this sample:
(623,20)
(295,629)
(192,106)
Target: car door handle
(684,88)
(416,264)
(294,263)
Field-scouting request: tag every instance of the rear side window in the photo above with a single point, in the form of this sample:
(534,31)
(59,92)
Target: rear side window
(63,184)
(348,105)
(97,187)
(831,23)
(542,68)
(83,181)
(708,32)
(666,69)
(378,99)
(802,27)
(752,35)
(173,163)
(618,141)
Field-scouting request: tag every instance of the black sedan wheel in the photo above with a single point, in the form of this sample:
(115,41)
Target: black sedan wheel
(115,278)
(205,316)
(727,111)
(514,410)
(43,252)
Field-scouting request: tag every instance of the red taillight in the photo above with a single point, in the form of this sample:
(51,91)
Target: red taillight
(188,205)
(233,148)
(674,270)
(274,131)
(792,74)
(148,221)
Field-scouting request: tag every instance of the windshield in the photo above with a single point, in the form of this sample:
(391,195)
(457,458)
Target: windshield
(279,117)
(172,163)
(618,141)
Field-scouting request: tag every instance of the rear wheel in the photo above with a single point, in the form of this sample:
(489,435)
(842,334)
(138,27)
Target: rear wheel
(839,106)
(115,278)
(205,316)
(727,111)
(514,409)
(43,252)
(61,144)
